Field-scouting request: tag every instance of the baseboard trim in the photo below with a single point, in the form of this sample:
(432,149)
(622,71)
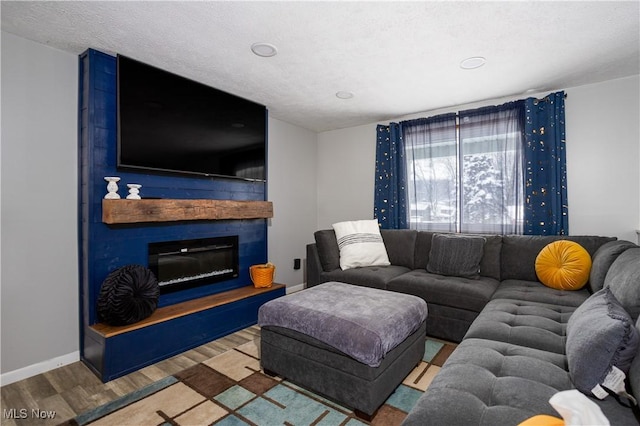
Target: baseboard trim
(38,368)
(294,288)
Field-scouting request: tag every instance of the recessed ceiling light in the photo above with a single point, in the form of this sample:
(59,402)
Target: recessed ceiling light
(472,63)
(264,49)
(344,95)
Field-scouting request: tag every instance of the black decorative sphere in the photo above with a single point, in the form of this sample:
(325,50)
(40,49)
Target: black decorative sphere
(128,295)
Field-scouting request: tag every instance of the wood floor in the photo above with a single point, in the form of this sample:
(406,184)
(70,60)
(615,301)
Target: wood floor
(73,389)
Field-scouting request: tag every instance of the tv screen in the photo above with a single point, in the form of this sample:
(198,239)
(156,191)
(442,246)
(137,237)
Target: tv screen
(172,124)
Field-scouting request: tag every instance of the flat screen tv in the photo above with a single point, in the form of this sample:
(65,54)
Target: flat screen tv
(168,123)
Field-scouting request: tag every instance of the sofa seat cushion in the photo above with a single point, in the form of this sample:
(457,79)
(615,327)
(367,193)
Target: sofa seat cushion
(533,291)
(535,325)
(464,293)
(368,276)
(491,383)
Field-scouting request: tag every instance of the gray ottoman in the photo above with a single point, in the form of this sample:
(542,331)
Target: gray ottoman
(351,344)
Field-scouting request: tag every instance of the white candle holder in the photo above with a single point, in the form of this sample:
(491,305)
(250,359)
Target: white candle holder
(112,188)
(134,191)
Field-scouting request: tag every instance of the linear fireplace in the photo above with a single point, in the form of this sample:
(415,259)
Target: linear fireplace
(183,264)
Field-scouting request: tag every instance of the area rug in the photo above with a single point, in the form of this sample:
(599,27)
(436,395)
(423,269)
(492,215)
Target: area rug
(229,389)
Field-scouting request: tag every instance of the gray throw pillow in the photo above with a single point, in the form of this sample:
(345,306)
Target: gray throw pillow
(455,255)
(600,335)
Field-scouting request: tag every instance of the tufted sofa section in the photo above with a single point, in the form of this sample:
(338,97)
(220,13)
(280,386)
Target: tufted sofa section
(512,329)
(512,360)
(507,270)
(491,383)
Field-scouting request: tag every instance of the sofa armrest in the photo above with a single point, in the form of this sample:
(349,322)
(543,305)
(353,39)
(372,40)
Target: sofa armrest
(314,267)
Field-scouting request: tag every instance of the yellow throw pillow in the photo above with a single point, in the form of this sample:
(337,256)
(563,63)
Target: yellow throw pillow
(542,420)
(563,265)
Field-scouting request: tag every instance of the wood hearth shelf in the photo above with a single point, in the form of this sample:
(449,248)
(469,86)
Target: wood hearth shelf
(112,352)
(167,210)
(168,313)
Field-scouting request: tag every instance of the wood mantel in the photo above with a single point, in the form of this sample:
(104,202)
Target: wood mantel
(168,210)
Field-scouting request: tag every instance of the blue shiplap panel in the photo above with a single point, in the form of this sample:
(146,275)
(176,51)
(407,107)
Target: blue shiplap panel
(105,248)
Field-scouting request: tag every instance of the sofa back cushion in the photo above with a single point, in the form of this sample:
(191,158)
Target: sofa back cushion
(623,279)
(490,262)
(519,252)
(328,250)
(423,248)
(603,259)
(401,246)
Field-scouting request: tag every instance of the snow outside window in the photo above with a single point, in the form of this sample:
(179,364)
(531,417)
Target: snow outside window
(465,173)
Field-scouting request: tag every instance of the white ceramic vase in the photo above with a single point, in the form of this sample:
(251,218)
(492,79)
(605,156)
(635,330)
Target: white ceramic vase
(112,188)
(134,191)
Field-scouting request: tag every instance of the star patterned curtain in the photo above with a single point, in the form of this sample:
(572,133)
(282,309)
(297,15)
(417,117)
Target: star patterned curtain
(546,208)
(390,198)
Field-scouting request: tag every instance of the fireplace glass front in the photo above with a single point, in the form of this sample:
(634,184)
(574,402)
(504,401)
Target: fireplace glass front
(183,264)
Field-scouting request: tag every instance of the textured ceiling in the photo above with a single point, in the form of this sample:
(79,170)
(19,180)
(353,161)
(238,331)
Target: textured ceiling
(398,58)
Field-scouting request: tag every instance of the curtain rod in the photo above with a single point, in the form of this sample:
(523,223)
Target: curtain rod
(547,97)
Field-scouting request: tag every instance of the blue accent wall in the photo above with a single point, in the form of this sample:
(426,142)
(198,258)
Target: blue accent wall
(104,248)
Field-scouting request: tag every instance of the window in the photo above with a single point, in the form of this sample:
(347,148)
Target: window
(432,173)
(464,171)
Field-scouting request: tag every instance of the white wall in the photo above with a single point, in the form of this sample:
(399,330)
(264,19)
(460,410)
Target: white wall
(292,189)
(346,170)
(603,157)
(39,277)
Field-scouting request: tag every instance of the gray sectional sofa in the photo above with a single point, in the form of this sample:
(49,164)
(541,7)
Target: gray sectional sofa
(512,329)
